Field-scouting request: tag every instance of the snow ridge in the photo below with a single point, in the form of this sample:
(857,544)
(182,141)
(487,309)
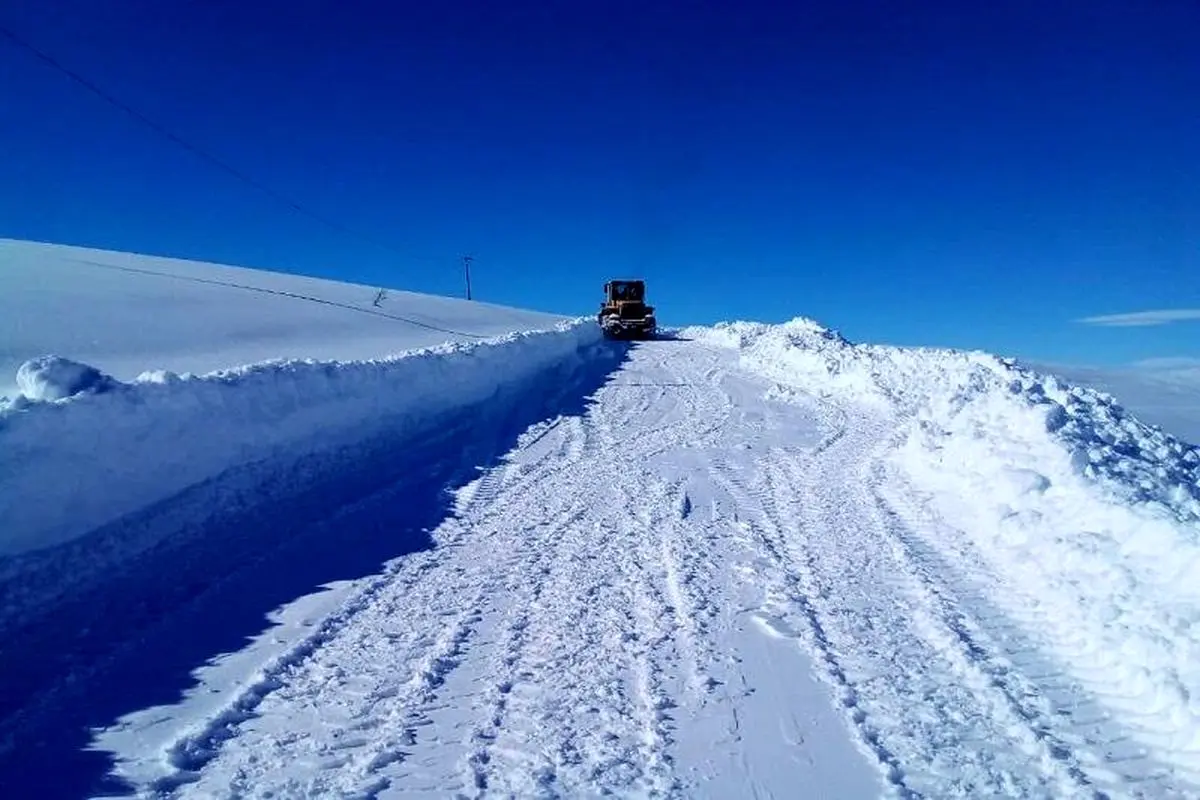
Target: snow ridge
(1081,522)
(139,442)
(946,390)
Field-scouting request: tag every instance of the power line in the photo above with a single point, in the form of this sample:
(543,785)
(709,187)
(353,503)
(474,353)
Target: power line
(283,293)
(203,154)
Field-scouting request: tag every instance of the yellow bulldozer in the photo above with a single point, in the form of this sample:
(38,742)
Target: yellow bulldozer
(624,313)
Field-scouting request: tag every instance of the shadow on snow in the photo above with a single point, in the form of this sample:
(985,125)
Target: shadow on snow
(669,335)
(242,545)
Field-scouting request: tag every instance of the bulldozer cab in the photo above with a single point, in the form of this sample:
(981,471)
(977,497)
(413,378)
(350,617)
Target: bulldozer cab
(624,292)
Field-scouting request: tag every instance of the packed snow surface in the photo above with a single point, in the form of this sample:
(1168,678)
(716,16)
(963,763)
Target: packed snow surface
(747,560)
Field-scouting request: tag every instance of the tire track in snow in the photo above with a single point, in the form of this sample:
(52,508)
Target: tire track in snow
(654,699)
(893,635)
(381,702)
(793,594)
(571,666)
(507,663)
(353,699)
(646,636)
(992,715)
(1010,640)
(1016,705)
(821,554)
(669,640)
(598,601)
(688,607)
(999,659)
(488,520)
(520,665)
(674,576)
(667,517)
(1000,640)
(620,586)
(195,748)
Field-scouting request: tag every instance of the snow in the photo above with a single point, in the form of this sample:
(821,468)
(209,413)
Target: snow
(579,627)
(125,314)
(1163,392)
(57,378)
(466,551)
(154,431)
(141,442)
(991,402)
(1074,518)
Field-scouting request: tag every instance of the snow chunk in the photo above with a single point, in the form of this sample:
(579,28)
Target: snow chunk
(56,378)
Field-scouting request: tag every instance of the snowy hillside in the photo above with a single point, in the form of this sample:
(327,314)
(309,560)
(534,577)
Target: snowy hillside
(126,314)
(733,562)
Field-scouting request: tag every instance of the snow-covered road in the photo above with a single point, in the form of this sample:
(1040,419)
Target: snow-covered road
(752,560)
(697,583)
(581,625)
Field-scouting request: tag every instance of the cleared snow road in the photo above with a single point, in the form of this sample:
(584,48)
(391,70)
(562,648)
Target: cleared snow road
(697,584)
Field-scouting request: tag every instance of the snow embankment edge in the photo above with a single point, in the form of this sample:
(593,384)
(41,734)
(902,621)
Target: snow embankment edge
(1087,518)
(74,463)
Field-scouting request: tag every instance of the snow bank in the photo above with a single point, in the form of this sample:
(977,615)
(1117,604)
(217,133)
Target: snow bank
(73,459)
(985,399)
(1090,518)
(123,313)
(1163,392)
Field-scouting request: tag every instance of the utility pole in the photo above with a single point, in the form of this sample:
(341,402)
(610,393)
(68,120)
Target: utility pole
(467,271)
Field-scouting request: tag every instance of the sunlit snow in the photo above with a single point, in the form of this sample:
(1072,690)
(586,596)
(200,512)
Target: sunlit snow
(357,554)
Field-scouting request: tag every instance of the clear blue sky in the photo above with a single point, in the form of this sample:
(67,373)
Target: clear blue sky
(963,173)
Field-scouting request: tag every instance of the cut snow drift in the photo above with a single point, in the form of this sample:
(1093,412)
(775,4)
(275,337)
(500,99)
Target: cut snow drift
(1083,521)
(86,461)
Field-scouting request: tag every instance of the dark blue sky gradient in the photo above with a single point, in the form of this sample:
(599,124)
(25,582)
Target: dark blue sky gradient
(961,173)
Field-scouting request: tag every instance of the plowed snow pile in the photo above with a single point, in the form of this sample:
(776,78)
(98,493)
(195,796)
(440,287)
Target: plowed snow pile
(1077,519)
(125,445)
